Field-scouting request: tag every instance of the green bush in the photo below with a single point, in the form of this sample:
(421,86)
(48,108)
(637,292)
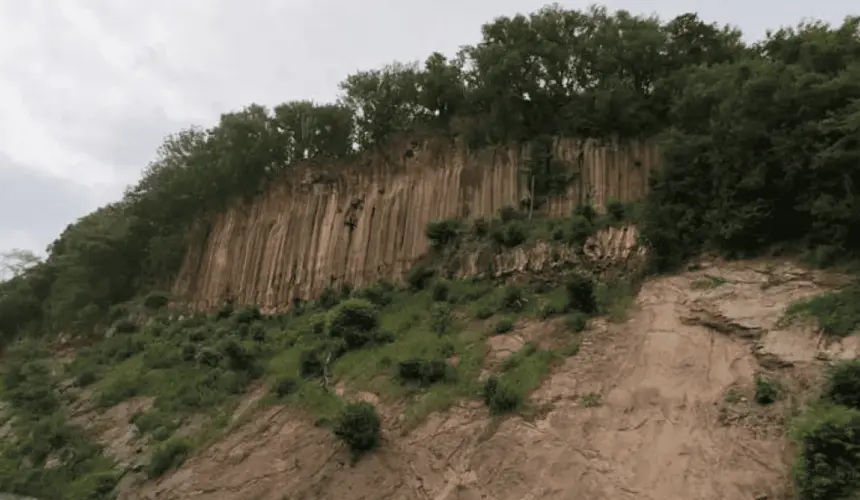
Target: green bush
(504,325)
(156,300)
(829,460)
(616,211)
(424,372)
(419,276)
(580,294)
(355,321)
(441,318)
(380,293)
(125,325)
(500,397)
(442,232)
(766,390)
(284,386)
(359,426)
(513,298)
(441,290)
(576,321)
(843,384)
(168,455)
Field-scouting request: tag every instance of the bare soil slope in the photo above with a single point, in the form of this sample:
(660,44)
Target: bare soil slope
(659,407)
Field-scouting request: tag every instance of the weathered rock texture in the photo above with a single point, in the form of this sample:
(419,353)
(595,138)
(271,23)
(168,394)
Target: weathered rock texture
(358,223)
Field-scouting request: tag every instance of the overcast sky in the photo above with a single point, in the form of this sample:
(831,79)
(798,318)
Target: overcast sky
(88,88)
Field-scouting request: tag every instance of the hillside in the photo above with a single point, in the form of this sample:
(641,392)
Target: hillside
(596,255)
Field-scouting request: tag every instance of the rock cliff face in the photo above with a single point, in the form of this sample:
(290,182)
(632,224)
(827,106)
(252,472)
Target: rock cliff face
(357,223)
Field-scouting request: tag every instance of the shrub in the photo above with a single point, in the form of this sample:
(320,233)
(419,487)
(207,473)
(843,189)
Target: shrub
(441,291)
(503,326)
(500,397)
(156,300)
(247,315)
(580,294)
(843,384)
(581,228)
(512,234)
(442,232)
(285,386)
(513,299)
(576,321)
(829,460)
(480,227)
(441,318)
(380,293)
(422,371)
(586,211)
(616,210)
(125,325)
(484,312)
(312,362)
(169,455)
(358,425)
(354,321)
(418,276)
(548,310)
(508,214)
(328,298)
(766,390)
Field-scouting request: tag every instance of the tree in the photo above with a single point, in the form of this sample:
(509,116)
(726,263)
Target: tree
(16,262)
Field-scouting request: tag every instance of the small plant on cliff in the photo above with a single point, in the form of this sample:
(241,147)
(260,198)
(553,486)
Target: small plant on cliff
(442,232)
(766,390)
(359,426)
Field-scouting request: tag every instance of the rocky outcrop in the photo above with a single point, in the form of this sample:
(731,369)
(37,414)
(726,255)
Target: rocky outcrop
(357,223)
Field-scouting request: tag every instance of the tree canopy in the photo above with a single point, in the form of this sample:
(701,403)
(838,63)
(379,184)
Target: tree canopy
(762,143)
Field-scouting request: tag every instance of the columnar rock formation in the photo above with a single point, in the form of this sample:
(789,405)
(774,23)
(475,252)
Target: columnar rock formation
(357,223)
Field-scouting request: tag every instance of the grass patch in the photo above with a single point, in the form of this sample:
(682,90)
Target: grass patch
(614,299)
(837,312)
(522,372)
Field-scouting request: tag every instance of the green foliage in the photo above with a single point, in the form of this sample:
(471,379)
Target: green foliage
(576,321)
(504,325)
(424,372)
(763,151)
(355,321)
(829,458)
(766,390)
(843,384)
(580,294)
(359,427)
(441,318)
(418,277)
(168,455)
(837,312)
(156,300)
(442,232)
(523,371)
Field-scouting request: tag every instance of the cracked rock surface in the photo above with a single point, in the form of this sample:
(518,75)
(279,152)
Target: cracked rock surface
(662,430)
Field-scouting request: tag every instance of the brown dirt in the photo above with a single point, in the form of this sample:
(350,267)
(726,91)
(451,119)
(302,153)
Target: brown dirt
(642,412)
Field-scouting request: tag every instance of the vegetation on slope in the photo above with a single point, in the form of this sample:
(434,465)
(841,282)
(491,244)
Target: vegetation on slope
(761,149)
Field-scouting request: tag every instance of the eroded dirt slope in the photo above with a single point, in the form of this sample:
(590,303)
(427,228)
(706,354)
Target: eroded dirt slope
(642,412)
